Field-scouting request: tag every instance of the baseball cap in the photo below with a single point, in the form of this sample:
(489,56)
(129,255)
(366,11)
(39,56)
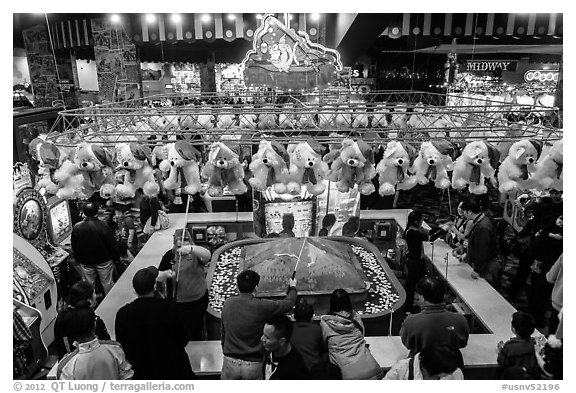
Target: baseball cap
(144,280)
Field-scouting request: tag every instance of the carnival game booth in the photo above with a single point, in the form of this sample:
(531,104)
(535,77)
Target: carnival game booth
(292,149)
(298,143)
(320,265)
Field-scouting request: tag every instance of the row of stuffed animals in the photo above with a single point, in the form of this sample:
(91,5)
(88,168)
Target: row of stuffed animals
(89,168)
(343,116)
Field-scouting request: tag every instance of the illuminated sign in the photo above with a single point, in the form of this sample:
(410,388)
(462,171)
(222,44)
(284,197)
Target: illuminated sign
(541,76)
(491,65)
(281,56)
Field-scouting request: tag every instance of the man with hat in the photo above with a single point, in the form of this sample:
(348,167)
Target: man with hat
(242,321)
(151,333)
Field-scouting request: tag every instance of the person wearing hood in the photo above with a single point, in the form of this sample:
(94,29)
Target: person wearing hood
(343,333)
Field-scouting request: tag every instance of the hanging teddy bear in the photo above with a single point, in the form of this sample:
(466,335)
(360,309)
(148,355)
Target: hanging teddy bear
(134,167)
(393,168)
(57,173)
(516,170)
(224,168)
(549,169)
(477,163)
(95,164)
(307,167)
(182,167)
(269,167)
(434,160)
(352,164)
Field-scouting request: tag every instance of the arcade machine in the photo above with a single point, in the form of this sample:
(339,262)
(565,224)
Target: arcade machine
(34,282)
(271,209)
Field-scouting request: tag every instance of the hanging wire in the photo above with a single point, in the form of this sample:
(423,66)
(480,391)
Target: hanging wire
(54,58)
(474,35)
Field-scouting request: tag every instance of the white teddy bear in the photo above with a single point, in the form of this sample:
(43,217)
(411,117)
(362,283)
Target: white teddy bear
(516,169)
(477,163)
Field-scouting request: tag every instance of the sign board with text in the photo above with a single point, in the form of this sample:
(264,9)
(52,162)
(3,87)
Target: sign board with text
(491,65)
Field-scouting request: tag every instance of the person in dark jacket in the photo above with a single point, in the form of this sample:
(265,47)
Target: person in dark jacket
(415,235)
(94,247)
(282,360)
(482,244)
(548,244)
(307,335)
(149,207)
(82,295)
(519,350)
(434,324)
(287,225)
(327,223)
(151,334)
(242,321)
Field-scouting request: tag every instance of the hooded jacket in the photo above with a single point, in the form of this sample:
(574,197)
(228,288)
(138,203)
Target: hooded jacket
(343,335)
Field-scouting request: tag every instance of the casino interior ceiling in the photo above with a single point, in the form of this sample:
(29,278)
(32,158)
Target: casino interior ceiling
(229,36)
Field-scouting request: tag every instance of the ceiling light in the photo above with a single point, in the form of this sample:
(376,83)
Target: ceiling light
(150,18)
(115,18)
(176,18)
(315,16)
(231,16)
(205,18)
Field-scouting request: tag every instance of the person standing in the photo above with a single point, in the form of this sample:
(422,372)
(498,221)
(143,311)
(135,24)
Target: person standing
(519,350)
(242,322)
(82,295)
(548,244)
(482,244)
(93,358)
(343,331)
(434,324)
(151,332)
(555,276)
(185,263)
(282,360)
(94,247)
(307,336)
(327,223)
(458,232)
(415,235)
(435,362)
(149,207)
(287,225)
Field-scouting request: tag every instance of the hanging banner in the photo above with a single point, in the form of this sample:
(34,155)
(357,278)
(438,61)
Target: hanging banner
(283,58)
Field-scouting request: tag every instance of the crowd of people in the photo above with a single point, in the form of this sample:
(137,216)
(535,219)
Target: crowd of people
(281,339)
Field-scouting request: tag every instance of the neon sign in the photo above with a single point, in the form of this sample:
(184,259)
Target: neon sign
(541,76)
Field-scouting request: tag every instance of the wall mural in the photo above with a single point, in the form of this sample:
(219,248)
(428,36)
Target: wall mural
(117,62)
(283,58)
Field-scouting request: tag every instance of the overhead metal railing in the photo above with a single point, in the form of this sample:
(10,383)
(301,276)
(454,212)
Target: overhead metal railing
(376,117)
